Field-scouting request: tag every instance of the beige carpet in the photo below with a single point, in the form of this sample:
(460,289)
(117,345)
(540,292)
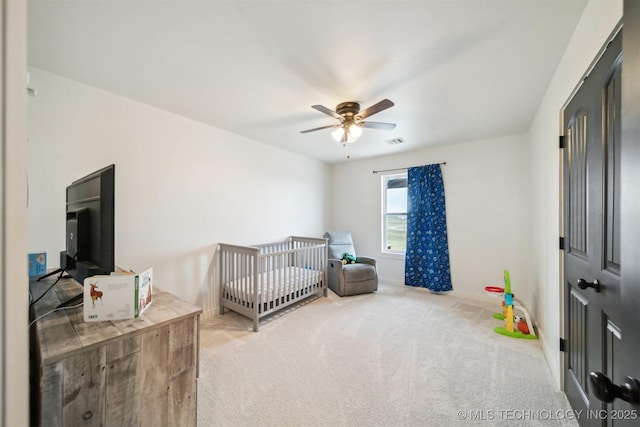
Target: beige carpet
(400,357)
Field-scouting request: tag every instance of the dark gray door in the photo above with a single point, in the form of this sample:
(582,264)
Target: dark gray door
(592,230)
(602,240)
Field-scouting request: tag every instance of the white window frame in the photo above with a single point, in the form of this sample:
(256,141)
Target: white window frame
(384,213)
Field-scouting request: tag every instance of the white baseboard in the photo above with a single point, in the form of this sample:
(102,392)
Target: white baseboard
(552,356)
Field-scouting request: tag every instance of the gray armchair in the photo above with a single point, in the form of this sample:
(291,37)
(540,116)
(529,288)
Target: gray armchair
(349,279)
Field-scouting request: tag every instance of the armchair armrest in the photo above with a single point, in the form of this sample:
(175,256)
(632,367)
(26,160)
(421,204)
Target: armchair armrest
(366,260)
(335,264)
(335,276)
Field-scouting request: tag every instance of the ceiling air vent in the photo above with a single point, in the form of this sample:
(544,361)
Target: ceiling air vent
(396,141)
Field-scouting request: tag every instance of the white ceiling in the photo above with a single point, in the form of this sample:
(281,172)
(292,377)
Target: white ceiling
(457,70)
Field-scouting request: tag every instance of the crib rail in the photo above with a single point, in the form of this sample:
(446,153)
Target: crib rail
(261,279)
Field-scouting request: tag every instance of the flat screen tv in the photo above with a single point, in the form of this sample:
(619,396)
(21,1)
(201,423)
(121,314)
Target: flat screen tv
(90,226)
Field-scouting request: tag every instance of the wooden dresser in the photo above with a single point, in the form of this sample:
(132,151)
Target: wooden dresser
(138,372)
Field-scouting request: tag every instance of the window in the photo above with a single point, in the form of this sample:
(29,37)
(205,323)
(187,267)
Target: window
(394,213)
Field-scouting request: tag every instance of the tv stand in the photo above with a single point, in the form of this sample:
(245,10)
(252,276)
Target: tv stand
(51,273)
(130,372)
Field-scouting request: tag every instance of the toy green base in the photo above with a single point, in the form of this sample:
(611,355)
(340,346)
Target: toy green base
(515,334)
(499,316)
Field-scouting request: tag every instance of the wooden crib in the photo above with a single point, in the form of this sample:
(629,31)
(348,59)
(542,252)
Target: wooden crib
(259,280)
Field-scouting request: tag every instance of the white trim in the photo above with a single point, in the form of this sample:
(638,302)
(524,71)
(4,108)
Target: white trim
(392,255)
(383,215)
(14,352)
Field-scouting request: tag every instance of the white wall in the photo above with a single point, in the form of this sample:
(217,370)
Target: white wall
(486,184)
(181,186)
(597,22)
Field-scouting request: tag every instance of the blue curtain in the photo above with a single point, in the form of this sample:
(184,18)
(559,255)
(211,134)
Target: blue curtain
(427,256)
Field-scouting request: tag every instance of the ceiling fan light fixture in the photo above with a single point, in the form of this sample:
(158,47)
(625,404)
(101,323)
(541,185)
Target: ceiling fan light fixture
(352,130)
(337,134)
(355,131)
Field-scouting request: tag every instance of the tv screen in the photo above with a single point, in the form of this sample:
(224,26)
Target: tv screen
(90,225)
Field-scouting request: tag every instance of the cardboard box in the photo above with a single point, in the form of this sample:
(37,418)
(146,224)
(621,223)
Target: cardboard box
(37,264)
(117,296)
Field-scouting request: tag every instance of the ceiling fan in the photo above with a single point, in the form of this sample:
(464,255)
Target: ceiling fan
(351,119)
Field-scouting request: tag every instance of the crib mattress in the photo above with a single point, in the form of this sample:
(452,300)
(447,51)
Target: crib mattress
(274,284)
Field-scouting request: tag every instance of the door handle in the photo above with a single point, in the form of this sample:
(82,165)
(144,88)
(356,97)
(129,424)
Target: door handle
(583,284)
(606,391)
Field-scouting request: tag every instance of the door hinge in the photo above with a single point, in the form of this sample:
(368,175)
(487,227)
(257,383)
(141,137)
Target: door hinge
(561,243)
(561,141)
(563,345)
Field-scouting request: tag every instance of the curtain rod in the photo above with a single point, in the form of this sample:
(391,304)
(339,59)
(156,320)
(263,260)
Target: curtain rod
(401,169)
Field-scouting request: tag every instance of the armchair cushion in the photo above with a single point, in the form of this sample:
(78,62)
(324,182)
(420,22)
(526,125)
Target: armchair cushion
(339,243)
(358,272)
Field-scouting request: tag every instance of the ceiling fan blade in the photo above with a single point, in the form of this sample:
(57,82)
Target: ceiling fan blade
(320,128)
(375,108)
(378,125)
(327,111)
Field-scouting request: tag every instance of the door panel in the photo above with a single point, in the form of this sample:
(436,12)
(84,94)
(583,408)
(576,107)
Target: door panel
(592,229)
(577,350)
(612,98)
(577,164)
